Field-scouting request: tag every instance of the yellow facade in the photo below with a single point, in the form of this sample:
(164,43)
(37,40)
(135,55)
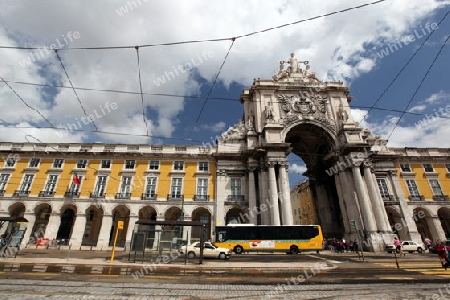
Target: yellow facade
(303,208)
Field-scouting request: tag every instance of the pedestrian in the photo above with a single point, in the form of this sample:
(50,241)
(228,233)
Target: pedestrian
(398,245)
(443,251)
(427,243)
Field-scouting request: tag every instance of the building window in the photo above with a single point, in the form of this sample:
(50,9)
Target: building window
(382,185)
(202,189)
(129,164)
(428,167)
(51,183)
(81,164)
(125,187)
(436,187)
(75,188)
(3,181)
(106,164)
(405,167)
(26,183)
(150,191)
(34,162)
(203,166)
(100,187)
(57,163)
(175,191)
(154,165)
(412,188)
(10,161)
(178,165)
(236,189)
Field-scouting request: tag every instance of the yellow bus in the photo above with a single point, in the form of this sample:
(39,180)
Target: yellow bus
(259,238)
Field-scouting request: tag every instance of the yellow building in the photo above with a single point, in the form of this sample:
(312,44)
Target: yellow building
(303,209)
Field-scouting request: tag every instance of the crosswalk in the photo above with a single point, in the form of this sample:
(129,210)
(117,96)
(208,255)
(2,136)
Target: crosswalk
(426,267)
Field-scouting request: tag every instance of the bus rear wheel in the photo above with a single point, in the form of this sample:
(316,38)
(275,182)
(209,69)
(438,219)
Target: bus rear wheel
(294,250)
(238,250)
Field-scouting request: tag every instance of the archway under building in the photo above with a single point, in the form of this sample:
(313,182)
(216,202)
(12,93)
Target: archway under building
(444,216)
(68,216)
(202,215)
(235,215)
(148,213)
(422,218)
(120,213)
(43,212)
(94,217)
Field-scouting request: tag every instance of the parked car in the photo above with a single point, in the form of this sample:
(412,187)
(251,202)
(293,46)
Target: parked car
(209,250)
(407,246)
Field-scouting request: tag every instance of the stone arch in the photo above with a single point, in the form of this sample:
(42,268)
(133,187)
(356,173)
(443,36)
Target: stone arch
(43,212)
(443,214)
(94,218)
(17,209)
(423,219)
(173,213)
(120,213)
(204,215)
(235,215)
(396,222)
(315,144)
(149,212)
(68,216)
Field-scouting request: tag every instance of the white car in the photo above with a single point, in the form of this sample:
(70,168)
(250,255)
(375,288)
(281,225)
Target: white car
(209,250)
(407,246)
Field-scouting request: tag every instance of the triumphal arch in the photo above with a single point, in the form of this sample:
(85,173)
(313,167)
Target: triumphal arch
(295,112)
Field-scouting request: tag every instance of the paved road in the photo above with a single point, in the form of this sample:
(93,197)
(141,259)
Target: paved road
(70,289)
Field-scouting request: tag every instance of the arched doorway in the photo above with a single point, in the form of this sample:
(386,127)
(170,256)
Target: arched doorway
(148,213)
(172,214)
(43,212)
(94,217)
(120,213)
(235,216)
(313,142)
(203,215)
(395,221)
(421,217)
(66,225)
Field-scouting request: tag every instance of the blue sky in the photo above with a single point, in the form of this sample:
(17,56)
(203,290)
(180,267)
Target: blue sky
(356,47)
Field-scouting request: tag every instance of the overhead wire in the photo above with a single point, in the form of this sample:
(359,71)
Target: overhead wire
(208,40)
(75,92)
(420,85)
(402,69)
(24,102)
(211,88)
(140,87)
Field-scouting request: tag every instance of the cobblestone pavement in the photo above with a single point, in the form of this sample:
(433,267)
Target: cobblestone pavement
(57,289)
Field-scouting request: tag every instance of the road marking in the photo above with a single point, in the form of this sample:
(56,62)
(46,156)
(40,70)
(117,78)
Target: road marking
(162,277)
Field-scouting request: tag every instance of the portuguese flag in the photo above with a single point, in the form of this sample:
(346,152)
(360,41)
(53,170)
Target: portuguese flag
(76,180)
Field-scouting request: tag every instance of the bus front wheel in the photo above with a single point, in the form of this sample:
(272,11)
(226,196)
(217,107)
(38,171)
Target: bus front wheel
(238,250)
(294,249)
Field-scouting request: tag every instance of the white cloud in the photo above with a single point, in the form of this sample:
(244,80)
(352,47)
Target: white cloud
(418,108)
(299,169)
(437,97)
(216,127)
(334,46)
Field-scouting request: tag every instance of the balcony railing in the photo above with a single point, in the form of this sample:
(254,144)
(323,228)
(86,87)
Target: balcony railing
(123,195)
(235,198)
(175,197)
(20,193)
(441,198)
(201,197)
(71,194)
(97,195)
(149,196)
(388,198)
(46,193)
(416,198)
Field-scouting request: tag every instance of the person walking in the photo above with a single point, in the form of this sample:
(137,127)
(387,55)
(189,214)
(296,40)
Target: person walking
(398,245)
(443,251)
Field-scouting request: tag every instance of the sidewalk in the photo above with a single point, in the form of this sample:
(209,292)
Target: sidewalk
(29,260)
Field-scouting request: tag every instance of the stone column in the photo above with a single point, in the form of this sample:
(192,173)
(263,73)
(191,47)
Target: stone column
(53,226)
(264,203)
(274,210)
(252,205)
(188,229)
(158,229)
(221,196)
(342,204)
(435,226)
(105,231)
(366,207)
(131,224)
(79,227)
(286,204)
(31,218)
(377,203)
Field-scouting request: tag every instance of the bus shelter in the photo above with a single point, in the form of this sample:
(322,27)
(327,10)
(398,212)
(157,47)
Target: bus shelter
(150,236)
